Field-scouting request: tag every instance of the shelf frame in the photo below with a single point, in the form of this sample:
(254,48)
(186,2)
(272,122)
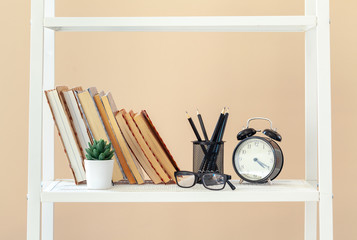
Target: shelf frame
(318,155)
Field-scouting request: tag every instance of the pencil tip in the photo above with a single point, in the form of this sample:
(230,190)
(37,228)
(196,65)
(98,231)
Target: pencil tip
(188,116)
(223,110)
(227,111)
(197,111)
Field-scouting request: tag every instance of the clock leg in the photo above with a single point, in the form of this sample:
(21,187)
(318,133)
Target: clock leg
(241,181)
(270,182)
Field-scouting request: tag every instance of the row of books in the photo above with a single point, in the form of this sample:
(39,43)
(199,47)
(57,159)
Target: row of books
(83,115)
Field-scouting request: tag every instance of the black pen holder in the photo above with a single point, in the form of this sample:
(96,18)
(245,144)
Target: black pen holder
(214,152)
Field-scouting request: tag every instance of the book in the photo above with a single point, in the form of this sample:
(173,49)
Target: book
(135,148)
(76,90)
(67,137)
(155,143)
(162,143)
(60,90)
(145,148)
(134,166)
(71,105)
(96,127)
(135,160)
(108,126)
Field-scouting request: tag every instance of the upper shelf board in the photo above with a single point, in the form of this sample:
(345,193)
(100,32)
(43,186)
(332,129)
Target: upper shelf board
(183,24)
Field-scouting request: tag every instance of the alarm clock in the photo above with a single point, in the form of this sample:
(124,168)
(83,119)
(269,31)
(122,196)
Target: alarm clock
(258,159)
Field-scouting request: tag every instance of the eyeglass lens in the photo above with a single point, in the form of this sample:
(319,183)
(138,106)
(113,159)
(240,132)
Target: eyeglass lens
(185,179)
(214,181)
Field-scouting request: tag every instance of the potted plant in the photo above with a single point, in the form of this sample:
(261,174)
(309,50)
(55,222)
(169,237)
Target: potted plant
(99,165)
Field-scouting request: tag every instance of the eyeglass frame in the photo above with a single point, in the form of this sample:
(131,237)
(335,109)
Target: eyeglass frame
(198,179)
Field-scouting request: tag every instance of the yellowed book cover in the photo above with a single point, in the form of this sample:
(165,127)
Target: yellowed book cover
(113,140)
(154,144)
(135,147)
(136,170)
(96,126)
(145,148)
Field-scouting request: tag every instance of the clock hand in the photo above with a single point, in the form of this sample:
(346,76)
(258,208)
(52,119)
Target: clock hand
(265,165)
(259,162)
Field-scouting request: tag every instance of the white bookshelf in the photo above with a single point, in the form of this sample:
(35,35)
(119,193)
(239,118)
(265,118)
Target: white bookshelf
(315,190)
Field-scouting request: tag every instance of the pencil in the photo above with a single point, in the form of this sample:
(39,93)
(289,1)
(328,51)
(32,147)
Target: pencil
(204,163)
(193,126)
(221,133)
(202,125)
(212,164)
(218,125)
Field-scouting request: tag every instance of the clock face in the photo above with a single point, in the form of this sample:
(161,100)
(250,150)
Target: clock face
(254,159)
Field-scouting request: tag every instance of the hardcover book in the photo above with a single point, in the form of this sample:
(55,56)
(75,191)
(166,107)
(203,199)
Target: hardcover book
(67,137)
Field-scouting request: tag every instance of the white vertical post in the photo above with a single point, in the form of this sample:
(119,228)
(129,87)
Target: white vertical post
(48,124)
(324,119)
(310,120)
(310,220)
(35,122)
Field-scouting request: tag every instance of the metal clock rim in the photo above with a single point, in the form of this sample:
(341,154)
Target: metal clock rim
(263,180)
(282,160)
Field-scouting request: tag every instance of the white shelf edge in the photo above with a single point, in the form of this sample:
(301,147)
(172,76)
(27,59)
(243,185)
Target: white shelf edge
(279,191)
(183,24)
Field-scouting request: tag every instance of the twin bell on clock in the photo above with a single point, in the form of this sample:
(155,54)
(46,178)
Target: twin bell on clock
(258,159)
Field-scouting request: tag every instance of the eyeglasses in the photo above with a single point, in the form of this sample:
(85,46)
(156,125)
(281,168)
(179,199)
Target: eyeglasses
(210,180)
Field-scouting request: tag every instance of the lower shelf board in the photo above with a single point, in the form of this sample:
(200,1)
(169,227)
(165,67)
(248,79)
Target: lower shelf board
(278,191)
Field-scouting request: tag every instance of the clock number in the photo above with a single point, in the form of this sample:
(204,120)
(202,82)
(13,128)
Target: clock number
(249,146)
(244,152)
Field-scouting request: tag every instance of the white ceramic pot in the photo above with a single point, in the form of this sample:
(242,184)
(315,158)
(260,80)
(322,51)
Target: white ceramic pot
(99,173)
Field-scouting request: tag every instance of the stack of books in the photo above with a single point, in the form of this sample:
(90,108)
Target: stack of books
(84,115)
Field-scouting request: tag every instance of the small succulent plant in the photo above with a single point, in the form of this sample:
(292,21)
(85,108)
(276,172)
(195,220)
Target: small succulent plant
(99,150)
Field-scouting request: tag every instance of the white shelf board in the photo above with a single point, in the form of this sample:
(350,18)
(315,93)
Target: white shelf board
(183,24)
(278,191)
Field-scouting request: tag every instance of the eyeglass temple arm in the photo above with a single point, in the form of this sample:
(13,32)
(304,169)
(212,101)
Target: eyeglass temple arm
(229,182)
(231,185)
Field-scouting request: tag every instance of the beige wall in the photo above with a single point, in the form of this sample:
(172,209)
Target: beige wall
(168,73)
